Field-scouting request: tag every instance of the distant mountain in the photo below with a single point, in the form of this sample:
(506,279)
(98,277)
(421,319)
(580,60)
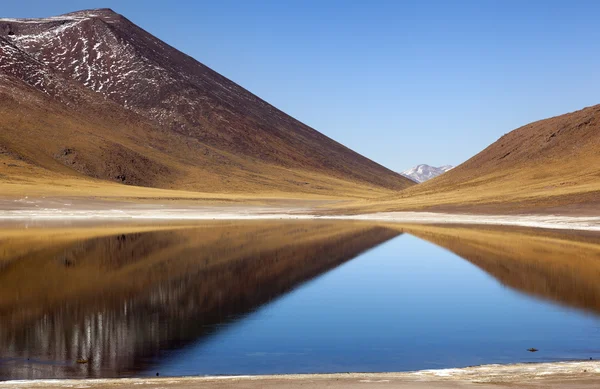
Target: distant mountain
(423,172)
(90,93)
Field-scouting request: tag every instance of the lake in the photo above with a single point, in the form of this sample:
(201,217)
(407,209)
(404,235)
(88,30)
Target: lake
(292,297)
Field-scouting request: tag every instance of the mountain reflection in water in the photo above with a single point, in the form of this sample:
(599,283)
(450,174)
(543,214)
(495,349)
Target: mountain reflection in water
(562,267)
(132,302)
(121,302)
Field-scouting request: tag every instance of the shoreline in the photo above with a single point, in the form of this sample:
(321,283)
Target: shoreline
(48,210)
(575,374)
(583,223)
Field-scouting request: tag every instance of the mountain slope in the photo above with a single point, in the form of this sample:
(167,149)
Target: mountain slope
(551,165)
(423,172)
(89,94)
(239,140)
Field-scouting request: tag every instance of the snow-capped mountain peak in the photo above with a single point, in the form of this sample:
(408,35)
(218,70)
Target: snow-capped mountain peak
(423,172)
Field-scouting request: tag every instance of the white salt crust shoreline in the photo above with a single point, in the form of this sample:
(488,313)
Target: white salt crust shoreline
(262,213)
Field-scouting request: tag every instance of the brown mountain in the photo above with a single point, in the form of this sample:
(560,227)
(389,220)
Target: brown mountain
(551,165)
(90,94)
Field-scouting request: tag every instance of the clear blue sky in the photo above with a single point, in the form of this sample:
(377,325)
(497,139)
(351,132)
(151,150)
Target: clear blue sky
(402,82)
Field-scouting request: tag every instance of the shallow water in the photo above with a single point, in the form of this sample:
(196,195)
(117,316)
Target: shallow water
(293,297)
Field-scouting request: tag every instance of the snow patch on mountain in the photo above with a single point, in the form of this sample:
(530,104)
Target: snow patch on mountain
(423,172)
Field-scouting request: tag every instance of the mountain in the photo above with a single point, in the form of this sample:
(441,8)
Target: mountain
(91,95)
(550,166)
(422,173)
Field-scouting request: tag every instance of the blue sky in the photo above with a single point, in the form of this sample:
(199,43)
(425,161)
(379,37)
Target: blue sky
(402,82)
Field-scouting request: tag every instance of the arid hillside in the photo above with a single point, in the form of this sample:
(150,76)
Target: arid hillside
(90,95)
(551,165)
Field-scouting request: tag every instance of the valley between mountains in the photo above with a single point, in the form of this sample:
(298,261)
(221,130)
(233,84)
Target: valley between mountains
(94,108)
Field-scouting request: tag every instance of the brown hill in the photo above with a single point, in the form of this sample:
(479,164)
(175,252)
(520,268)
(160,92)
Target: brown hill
(551,165)
(89,94)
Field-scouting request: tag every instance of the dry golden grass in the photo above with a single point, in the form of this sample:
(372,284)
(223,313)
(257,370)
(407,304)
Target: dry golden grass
(46,184)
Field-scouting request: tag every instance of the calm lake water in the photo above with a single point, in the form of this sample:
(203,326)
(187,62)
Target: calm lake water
(281,298)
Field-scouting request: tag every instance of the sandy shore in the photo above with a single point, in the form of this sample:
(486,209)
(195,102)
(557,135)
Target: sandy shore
(572,375)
